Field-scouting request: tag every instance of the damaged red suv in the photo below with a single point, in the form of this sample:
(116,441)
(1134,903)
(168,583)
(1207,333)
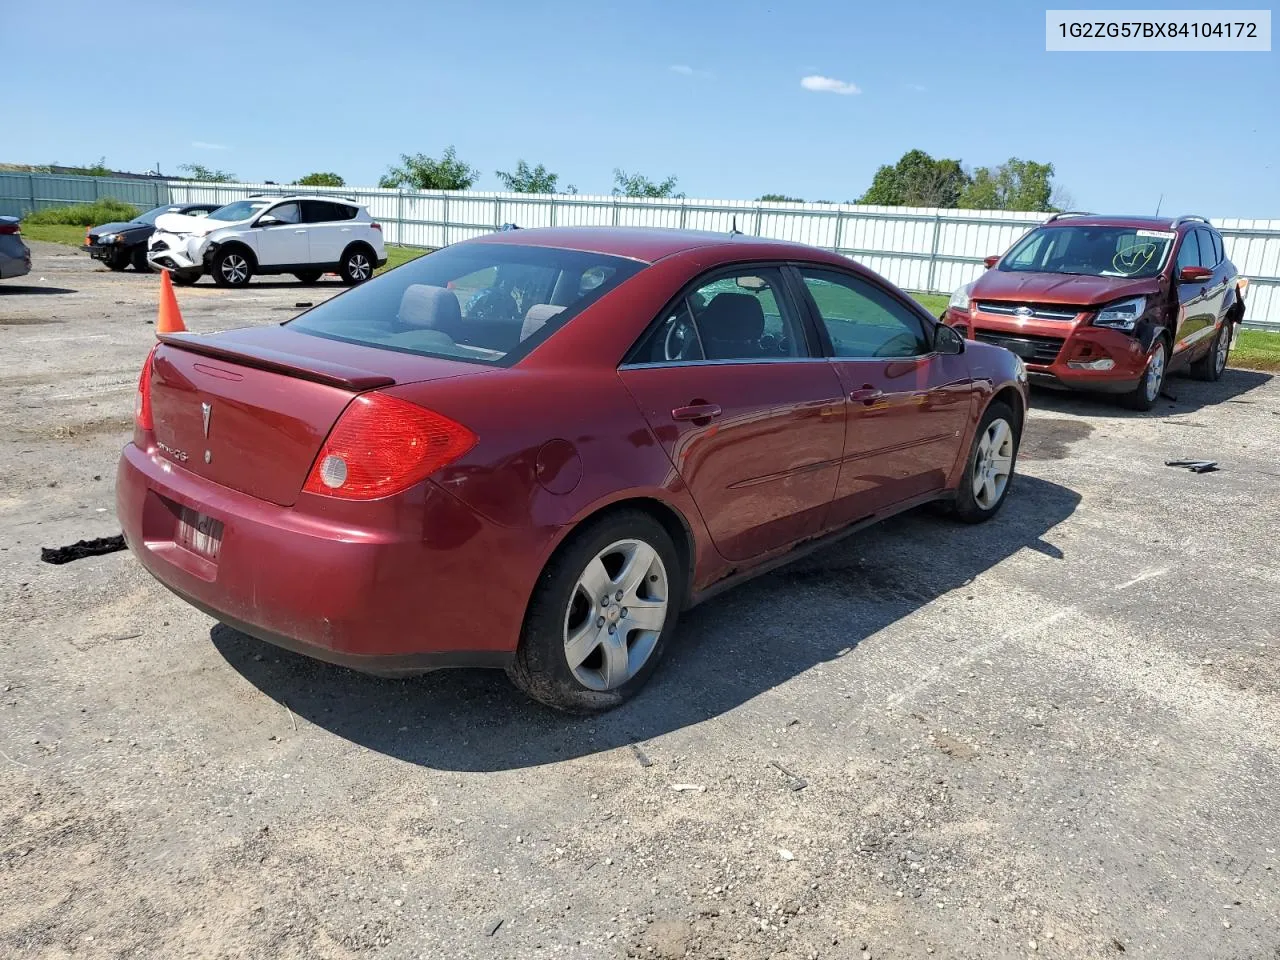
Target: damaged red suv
(1108,304)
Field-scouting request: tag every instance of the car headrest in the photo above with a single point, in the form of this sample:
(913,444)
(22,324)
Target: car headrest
(732,316)
(536,318)
(434,308)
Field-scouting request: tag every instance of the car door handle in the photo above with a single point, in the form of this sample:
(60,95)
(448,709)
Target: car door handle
(299,231)
(866,394)
(696,411)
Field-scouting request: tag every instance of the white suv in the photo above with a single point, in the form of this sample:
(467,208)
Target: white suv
(305,236)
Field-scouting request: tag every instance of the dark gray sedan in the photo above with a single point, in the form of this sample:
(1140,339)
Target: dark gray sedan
(120,244)
(15,257)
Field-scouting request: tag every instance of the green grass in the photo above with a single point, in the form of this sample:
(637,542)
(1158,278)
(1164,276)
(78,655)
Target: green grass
(399,255)
(1256,350)
(106,210)
(935,303)
(72,236)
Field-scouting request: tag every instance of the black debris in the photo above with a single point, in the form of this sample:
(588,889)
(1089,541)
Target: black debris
(81,549)
(492,926)
(303,303)
(1195,466)
(640,756)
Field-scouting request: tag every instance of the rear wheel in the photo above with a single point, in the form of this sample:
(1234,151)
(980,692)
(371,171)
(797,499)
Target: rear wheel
(308,276)
(185,278)
(989,472)
(601,615)
(1147,392)
(232,268)
(357,266)
(1213,363)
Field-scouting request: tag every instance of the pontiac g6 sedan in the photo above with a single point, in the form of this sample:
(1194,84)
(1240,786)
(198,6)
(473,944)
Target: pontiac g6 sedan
(534,449)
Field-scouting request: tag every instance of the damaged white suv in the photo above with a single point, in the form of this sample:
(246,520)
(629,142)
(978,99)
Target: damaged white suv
(305,236)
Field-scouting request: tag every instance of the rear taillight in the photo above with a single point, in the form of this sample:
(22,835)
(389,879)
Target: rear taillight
(9,229)
(377,226)
(142,403)
(382,445)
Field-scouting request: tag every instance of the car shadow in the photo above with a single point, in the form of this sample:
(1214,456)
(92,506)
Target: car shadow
(1181,395)
(727,651)
(17,290)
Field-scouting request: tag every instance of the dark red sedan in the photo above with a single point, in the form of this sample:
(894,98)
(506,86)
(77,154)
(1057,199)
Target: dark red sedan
(532,450)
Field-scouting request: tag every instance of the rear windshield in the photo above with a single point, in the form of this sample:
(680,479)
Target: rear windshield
(1091,251)
(485,302)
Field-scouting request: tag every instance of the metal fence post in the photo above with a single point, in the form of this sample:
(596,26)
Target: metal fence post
(497,214)
(553,210)
(615,211)
(759,214)
(684,212)
(444,228)
(933,253)
(400,214)
(839,231)
(31,188)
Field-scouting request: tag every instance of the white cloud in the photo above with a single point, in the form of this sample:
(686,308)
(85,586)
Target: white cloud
(821,84)
(683,69)
(917,87)
(205,145)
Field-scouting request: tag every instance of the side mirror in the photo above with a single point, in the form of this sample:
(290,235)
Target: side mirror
(947,340)
(992,260)
(1194,274)
(268,222)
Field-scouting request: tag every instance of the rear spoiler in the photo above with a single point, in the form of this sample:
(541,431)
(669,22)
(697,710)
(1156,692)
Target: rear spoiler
(262,358)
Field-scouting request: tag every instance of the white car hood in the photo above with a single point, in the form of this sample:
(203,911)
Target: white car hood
(181,223)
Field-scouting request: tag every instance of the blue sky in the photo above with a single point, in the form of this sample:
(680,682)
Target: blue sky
(708,90)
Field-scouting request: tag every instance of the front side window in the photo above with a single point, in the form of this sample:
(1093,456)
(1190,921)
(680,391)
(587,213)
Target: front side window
(1093,251)
(1189,252)
(737,316)
(286,213)
(483,302)
(863,320)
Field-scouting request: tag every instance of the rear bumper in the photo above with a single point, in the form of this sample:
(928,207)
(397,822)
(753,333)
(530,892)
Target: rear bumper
(1062,355)
(416,591)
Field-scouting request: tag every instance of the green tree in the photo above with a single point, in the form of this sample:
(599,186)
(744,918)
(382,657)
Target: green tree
(780,198)
(1013,185)
(420,172)
(532,180)
(320,179)
(638,185)
(198,171)
(917,180)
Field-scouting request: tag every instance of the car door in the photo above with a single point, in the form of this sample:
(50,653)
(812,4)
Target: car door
(1212,258)
(908,406)
(282,243)
(750,414)
(328,229)
(1194,302)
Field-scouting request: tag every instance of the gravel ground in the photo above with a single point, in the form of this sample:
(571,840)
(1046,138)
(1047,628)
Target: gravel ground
(1054,735)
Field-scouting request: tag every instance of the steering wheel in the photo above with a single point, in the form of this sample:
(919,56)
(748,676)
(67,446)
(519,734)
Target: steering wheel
(680,337)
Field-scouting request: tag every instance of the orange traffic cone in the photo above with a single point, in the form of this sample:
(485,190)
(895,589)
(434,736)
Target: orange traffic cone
(170,317)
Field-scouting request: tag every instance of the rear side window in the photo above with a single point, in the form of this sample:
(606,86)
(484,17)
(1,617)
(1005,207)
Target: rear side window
(483,302)
(1217,246)
(1189,252)
(326,211)
(1208,255)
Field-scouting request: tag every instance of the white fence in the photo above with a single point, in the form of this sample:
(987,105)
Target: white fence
(920,249)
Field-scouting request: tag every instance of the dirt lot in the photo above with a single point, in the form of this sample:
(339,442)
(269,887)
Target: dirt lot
(1054,735)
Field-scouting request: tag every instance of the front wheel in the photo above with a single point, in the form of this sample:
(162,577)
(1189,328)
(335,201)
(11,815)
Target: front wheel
(308,276)
(601,615)
(185,278)
(231,268)
(1147,392)
(989,470)
(140,261)
(357,266)
(117,260)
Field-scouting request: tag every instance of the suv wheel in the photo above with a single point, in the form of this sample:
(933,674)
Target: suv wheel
(231,268)
(601,615)
(1147,392)
(185,278)
(1213,363)
(357,266)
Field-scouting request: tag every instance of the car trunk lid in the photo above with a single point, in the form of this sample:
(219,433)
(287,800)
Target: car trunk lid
(250,409)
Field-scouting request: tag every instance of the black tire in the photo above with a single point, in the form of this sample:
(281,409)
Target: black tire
(232,267)
(358,264)
(309,276)
(541,667)
(1212,364)
(185,278)
(969,505)
(140,261)
(117,260)
(1147,393)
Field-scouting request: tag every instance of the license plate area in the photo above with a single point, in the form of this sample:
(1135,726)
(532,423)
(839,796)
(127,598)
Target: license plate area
(199,533)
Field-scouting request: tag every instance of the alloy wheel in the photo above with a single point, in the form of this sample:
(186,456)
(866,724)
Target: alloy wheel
(616,614)
(994,464)
(235,268)
(1154,378)
(358,267)
(1222,349)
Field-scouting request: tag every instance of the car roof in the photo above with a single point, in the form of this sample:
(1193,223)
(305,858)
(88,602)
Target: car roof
(649,244)
(279,198)
(1138,221)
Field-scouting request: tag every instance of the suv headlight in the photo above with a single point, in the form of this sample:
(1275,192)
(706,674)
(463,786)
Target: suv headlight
(960,299)
(1121,315)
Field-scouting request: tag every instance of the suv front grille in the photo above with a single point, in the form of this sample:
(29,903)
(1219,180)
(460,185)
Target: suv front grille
(1040,350)
(1039,311)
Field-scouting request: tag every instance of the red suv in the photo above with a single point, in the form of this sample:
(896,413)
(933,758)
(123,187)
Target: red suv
(1110,304)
